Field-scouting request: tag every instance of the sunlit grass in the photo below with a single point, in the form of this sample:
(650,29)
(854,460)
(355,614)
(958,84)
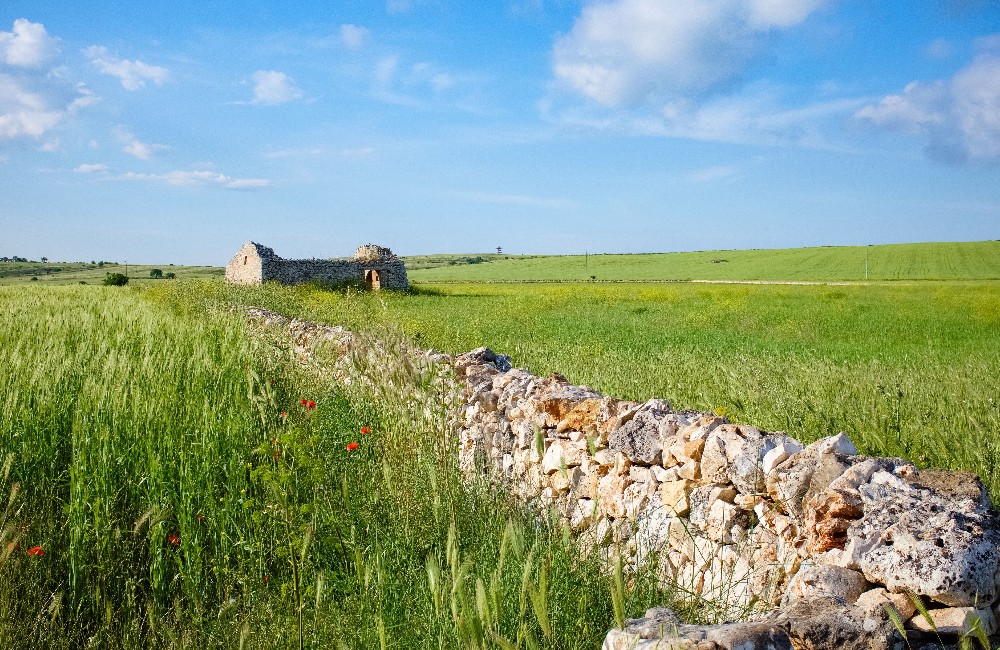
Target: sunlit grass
(186,486)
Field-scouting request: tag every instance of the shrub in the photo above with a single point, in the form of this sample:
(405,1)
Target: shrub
(115,280)
(156,274)
(170,275)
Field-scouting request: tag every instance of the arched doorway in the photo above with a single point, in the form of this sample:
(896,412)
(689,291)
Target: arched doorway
(373,280)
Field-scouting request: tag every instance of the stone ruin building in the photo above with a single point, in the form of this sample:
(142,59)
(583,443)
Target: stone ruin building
(375,266)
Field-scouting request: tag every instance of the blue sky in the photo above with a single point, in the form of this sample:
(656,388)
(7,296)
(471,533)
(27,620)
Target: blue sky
(174,132)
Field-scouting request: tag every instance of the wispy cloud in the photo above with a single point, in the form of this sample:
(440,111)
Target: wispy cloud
(759,114)
(358,152)
(92,168)
(517,199)
(713,174)
(133,75)
(27,45)
(200,179)
(958,117)
(29,113)
(352,36)
(141,150)
(294,153)
(273,87)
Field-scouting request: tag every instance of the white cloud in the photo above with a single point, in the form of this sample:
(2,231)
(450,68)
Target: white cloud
(132,74)
(200,179)
(133,146)
(28,45)
(626,52)
(353,36)
(959,117)
(92,168)
(273,87)
(24,113)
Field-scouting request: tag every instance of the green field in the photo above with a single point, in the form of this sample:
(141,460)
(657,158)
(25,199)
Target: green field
(936,261)
(144,451)
(904,369)
(63,273)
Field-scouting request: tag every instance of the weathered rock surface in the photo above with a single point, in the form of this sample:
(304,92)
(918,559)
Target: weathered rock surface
(913,539)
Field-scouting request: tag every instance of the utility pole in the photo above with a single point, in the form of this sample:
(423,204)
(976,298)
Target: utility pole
(586,261)
(126,267)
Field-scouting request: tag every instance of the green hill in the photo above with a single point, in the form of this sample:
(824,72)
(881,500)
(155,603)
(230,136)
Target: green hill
(929,261)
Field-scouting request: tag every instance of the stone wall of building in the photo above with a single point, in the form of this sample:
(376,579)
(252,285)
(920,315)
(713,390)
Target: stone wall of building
(802,545)
(255,264)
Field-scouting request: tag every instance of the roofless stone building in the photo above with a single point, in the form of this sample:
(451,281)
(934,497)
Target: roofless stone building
(375,266)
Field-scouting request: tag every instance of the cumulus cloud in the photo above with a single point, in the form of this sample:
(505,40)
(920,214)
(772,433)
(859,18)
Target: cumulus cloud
(27,45)
(958,117)
(141,150)
(625,52)
(132,74)
(352,36)
(200,179)
(273,87)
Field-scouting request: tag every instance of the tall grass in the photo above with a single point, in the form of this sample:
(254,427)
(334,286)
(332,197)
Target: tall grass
(180,483)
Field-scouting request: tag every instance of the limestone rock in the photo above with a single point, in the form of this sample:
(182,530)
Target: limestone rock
(874,601)
(674,496)
(747,465)
(808,472)
(914,539)
(823,581)
(561,455)
(954,621)
(661,629)
(639,438)
(779,454)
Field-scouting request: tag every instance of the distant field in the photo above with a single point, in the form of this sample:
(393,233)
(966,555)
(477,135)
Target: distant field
(934,261)
(62,273)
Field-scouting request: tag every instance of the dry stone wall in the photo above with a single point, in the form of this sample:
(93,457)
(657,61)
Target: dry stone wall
(804,546)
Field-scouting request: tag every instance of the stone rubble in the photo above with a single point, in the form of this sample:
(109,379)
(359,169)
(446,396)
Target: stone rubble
(807,546)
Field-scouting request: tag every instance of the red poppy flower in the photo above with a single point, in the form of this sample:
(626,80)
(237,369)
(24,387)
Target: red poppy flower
(303,402)
(310,405)
(174,539)
(284,414)
(351,446)
(366,430)
(263,578)
(36,551)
